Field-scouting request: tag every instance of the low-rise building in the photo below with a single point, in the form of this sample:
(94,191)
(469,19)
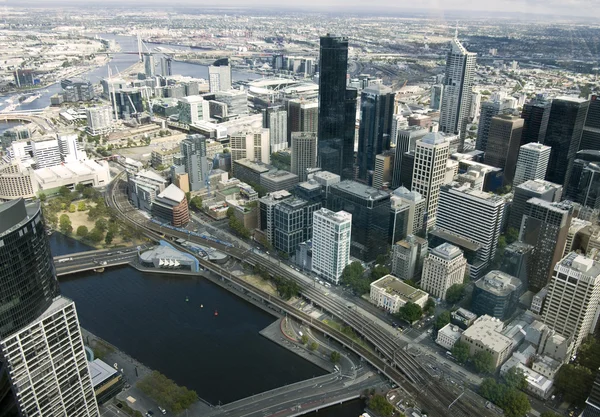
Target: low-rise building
(390,293)
(463,318)
(164,256)
(486,335)
(496,294)
(163,158)
(171,206)
(448,335)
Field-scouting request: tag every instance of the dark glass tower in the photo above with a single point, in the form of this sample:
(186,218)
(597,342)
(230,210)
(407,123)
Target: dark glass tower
(27,277)
(565,126)
(335,143)
(590,139)
(584,182)
(374,134)
(536,114)
(489,109)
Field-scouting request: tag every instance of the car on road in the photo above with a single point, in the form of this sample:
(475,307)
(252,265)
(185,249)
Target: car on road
(162,410)
(149,413)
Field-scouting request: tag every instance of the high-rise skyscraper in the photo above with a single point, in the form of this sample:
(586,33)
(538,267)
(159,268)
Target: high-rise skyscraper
(40,339)
(489,109)
(408,256)
(444,266)
(475,216)
(503,144)
(166,66)
(253,143)
(303,116)
(429,171)
(565,126)
(458,84)
(275,119)
(532,163)
(193,152)
(219,75)
(573,296)
(584,182)
(331,243)
(545,226)
(304,153)
(149,65)
(523,192)
(374,134)
(336,120)
(437,91)
(406,142)
(407,211)
(536,114)
(384,169)
(590,138)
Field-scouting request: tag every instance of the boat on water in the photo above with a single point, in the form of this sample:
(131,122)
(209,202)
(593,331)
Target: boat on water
(216,313)
(187,299)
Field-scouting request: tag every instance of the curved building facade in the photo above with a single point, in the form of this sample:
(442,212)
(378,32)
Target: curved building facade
(27,278)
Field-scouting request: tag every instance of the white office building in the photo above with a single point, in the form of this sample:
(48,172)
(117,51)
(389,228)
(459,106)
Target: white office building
(253,144)
(532,163)
(304,153)
(331,243)
(429,172)
(193,109)
(276,119)
(70,148)
(573,296)
(448,335)
(99,120)
(391,294)
(46,152)
(219,76)
(444,267)
(473,215)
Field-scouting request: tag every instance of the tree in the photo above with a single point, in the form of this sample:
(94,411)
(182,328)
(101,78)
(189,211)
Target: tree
(512,235)
(335,356)
(352,276)
(81,206)
(442,319)
(455,293)
(79,188)
(72,208)
(42,197)
(379,271)
(188,197)
(380,406)
(101,224)
(313,346)
(304,339)
(429,306)
(196,203)
(513,402)
(382,259)
(64,192)
(588,354)
(515,378)
(82,231)
(575,382)
(549,414)
(460,351)
(109,237)
(410,312)
(484,362)
(65,224)
(95,235)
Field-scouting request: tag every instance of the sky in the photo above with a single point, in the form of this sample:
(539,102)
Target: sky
(585,8)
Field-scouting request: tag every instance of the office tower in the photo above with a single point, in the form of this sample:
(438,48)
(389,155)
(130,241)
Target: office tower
(40,339)
(384,167)
(219,75)
(408,256)
(503,144)
(584,182)
(408,213)
(406,142)
(275,119)
(590,137)
(292,223)
(473,215)
(532,163)
(303,116)
(533,188)
(407,169)
(475,107)
(573,296)
(129,102)
(304,153)
(489,109)
(46,152)
(431,154)
(149,65)
(516,261)
(193,152)
(99,120)
(70,148)
(374,134)
(398,123)
(497,295)
(171,206)
(336,120)
(458,84)
(444,266)
(437,91)
(536,114)
(567,116)
(370,217)
(331,243)
(266,220)
(165,66)
(253,144)
(545,226)
(193,109)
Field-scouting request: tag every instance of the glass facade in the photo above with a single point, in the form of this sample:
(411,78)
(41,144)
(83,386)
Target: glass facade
(27,278)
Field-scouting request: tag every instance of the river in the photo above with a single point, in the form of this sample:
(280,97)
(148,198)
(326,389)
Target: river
(222,358)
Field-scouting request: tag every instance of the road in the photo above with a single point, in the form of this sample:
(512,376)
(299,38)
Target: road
(391,357)
(90,260)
